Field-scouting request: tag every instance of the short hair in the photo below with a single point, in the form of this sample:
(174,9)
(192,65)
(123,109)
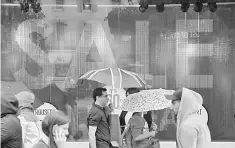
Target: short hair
(132,90)
(98,92)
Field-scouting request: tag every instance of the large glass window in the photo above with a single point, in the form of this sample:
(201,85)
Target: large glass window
(48,52)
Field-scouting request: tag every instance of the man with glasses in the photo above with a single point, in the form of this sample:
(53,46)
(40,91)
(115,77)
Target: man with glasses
(98,120)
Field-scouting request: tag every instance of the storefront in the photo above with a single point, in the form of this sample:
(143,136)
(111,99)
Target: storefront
(169,50)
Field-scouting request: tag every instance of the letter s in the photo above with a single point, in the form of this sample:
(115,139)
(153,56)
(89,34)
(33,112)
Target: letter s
(35,53)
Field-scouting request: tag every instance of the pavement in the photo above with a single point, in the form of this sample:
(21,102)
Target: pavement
(163,144)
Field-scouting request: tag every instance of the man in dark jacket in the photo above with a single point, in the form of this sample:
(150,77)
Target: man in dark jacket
(11,132)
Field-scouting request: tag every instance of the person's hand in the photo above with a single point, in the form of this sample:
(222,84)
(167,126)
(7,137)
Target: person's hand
(153,133)
(111,107)
(154,126)
(60,138)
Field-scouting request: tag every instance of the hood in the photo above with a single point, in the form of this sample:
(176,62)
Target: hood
(9,104)
(191,103)
(26,99)
(192,114)
(16,87)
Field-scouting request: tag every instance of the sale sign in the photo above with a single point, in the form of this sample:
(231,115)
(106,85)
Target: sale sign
(116,97)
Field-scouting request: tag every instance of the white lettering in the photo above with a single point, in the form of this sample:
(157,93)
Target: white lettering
(24,40)
(185,50)
(102,44)
(39,56)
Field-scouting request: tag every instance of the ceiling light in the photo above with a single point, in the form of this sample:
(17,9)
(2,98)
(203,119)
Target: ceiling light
(185,6)
(160,7)
(87,7)
(212,6)
(36,6)
(198,6)
(143,6)
(24,6)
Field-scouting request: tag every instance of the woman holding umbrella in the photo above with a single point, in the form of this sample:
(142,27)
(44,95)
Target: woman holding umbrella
(125,115)
(136,134)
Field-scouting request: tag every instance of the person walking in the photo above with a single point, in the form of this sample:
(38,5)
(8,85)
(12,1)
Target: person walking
(11,132)
(192,118)
(98,120)
(125,116)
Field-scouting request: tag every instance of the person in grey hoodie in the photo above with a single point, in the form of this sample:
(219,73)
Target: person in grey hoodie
(11,131)
(192,118)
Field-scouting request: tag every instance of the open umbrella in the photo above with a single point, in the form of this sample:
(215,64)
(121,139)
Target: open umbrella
(116,77)
(147,100)
(82,86)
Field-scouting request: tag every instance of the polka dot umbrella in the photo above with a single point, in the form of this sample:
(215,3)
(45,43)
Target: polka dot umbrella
(147,100)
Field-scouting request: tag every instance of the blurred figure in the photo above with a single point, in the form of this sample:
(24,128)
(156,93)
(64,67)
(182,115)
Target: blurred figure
(192,118)
(11,132)
(72,129)
(31,127)
(55,126)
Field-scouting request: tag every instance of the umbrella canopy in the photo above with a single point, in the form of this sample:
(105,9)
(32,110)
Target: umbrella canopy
(82,86)
(147,100)
(116,77)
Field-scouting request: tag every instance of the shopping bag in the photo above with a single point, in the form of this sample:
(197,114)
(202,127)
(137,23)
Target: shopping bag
(154,143)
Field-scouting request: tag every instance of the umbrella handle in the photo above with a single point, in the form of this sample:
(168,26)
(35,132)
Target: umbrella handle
(111,96)
(112,77)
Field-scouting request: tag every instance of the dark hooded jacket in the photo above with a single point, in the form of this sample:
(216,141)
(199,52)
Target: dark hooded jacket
(11,132)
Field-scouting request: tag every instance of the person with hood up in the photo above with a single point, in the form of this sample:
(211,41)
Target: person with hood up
(192,118)
(11,132)
(31,126)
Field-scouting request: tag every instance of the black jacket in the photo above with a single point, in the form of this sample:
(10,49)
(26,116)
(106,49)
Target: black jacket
(11,131)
